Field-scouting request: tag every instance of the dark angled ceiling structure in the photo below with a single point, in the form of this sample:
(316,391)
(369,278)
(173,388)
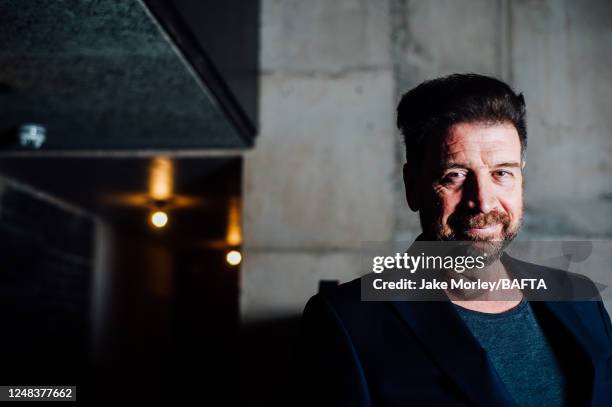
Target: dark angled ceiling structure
(129,74)
(122,87)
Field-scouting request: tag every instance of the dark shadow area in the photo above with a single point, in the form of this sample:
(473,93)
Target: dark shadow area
(171,332)
(266,350)
(115,306)
(266,355)
(45,277)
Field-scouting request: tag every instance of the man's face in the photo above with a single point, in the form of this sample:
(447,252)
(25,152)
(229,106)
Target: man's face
(472,186)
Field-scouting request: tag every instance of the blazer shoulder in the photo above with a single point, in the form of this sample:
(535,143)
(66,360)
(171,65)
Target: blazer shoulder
(343,293)
(343,301)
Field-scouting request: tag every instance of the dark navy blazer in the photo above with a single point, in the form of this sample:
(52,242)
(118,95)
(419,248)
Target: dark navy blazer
(415,353)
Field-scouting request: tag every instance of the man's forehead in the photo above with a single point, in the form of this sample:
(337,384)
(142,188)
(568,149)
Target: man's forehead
(502,135)
(500,143)
(490,153)
(478,136)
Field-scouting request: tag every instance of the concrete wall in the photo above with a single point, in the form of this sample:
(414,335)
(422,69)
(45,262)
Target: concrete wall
(561,58)
(325,174)
(320,179)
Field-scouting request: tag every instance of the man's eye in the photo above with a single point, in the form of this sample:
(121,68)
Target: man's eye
(502,173)
(452,177)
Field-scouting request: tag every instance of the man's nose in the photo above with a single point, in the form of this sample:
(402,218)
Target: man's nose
(481,193)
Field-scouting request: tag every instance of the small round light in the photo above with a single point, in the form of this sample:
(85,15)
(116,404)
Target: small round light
(159,219)
(233,257)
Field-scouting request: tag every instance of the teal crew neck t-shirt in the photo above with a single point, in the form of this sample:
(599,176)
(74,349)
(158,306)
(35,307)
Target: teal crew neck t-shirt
(520,353)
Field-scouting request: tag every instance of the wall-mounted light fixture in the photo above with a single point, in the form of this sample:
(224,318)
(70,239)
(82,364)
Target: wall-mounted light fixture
(161,179)
(233,257)
(159,219)
(161,185)
(234,231)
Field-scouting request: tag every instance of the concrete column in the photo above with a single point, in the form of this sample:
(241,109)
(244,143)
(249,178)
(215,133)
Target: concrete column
(561,58)
(320,180)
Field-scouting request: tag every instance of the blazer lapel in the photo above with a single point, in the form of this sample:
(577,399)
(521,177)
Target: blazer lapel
(455,350)
(596,352)
(565,313)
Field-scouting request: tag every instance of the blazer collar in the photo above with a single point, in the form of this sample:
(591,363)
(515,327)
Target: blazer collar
(454,349)
(565,312)
(450,343)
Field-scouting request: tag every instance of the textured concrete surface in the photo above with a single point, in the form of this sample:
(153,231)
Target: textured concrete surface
(562,57)
(324,36)
(289,278)
(320,176)
(320,180)
(436,39)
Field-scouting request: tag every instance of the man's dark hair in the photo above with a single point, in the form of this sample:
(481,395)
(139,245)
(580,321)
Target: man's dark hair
(434,106)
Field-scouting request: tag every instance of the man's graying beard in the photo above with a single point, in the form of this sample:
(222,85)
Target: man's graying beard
(475,246)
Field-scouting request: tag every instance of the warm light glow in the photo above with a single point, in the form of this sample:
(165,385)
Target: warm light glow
(159,219)
(161,179)
(234,232)
(233,257)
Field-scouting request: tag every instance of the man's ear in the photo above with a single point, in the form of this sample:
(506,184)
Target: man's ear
(411,186)
(523,164)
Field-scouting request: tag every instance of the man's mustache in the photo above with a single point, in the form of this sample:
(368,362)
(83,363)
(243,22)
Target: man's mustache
(482,220)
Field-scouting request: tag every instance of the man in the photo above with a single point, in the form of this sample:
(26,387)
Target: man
(466,141)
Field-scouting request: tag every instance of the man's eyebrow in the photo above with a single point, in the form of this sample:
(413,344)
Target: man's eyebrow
(510,164)
(451,165)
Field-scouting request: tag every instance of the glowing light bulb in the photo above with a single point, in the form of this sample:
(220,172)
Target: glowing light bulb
(233,257)
(161,179)
(159,219)
(234,233)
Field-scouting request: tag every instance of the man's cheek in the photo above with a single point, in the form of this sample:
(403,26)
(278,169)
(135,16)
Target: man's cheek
(516,212)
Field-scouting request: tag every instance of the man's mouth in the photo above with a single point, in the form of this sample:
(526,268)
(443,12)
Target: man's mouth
(484,231)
